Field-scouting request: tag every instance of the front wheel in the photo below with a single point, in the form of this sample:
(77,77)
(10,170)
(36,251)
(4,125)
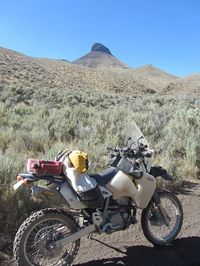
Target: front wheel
(153,224)
(36,240)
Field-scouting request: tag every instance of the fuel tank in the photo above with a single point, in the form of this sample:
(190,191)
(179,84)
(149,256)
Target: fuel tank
(140,190)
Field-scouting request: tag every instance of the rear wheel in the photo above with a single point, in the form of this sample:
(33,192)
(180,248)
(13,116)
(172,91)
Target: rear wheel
(35,242)
(153,223)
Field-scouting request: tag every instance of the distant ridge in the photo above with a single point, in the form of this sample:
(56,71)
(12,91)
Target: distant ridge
(99,70)
(100,57)
(17,70)
(151,70)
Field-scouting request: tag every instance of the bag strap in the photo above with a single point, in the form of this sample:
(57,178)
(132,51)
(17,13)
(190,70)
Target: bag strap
(62,153)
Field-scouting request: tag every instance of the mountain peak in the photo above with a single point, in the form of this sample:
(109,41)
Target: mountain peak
(98,47)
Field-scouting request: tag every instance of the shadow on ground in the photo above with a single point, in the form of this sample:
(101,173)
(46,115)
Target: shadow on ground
(183,252)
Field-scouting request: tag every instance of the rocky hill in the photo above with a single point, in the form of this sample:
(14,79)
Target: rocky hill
(189,86)
(99,70)
(100,57)
(19,69)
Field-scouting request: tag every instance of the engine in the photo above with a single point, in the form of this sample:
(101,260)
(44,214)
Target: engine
(117,216)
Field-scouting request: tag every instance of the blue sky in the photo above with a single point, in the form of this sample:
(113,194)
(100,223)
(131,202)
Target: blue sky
(138,32)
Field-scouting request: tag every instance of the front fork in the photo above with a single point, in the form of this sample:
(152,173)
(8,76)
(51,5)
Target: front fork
(156,200)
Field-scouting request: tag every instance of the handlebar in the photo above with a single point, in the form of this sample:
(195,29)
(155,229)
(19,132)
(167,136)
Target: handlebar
(136,154)
(141,151)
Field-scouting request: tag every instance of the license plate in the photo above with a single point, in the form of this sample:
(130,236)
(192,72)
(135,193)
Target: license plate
(18,184)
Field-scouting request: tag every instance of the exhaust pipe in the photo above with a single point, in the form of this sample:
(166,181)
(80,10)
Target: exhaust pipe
(42,192)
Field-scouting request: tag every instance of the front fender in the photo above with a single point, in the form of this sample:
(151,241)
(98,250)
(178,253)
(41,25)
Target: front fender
(159,171)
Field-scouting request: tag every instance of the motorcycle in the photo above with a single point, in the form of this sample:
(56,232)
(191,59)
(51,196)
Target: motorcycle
(52,236)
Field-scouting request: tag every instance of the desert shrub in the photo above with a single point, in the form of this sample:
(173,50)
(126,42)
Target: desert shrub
(11,164)
(16,208)
(3,114)
(182,131)
(94,120)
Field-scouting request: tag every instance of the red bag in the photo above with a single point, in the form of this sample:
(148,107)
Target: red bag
(44,167)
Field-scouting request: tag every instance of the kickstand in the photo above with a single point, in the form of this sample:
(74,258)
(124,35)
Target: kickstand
(90,236)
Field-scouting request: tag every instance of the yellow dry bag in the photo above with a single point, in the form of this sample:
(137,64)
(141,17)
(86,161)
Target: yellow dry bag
(79,159)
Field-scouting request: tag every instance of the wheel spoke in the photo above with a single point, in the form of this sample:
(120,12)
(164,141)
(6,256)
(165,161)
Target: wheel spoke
(162,231)
(41,247)
(35,255)
(154,227)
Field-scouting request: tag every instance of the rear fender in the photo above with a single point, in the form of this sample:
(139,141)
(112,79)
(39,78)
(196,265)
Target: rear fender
(34,178)
(27,178)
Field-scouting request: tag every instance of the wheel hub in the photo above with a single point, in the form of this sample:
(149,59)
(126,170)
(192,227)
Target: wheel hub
(156,219)
(48,245)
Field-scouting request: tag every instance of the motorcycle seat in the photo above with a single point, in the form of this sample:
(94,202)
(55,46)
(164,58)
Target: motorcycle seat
(104,177)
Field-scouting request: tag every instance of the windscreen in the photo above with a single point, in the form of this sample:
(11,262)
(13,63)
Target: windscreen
(135,133)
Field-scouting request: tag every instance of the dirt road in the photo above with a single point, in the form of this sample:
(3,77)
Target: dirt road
(130,247)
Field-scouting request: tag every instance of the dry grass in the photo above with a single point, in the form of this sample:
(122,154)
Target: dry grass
(18,69)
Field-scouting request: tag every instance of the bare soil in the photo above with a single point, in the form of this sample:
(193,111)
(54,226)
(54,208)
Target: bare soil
(130,247)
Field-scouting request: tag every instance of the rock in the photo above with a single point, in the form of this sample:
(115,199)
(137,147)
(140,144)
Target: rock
(98,47)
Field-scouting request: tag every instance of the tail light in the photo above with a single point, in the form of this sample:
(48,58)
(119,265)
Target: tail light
(19,178)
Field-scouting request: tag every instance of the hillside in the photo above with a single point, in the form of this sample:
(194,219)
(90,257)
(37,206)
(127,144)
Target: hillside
(98,70)
(101,58)
(189,86)
(18,69)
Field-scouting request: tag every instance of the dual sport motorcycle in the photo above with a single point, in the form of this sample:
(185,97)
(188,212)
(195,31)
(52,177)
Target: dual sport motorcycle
(52,236)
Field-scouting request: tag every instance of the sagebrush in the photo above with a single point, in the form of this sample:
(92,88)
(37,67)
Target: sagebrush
(38,122)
